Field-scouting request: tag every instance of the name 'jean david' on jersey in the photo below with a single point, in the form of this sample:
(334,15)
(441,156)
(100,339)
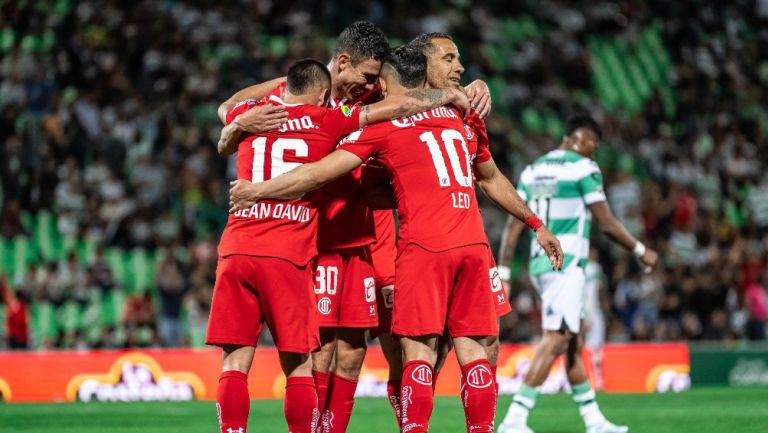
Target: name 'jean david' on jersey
(452,140)
(263,210)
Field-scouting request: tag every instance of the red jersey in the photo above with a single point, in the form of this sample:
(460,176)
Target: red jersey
(430,156)
(345,221)
(283,228)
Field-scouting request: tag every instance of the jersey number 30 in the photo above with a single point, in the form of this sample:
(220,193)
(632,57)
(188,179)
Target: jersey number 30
(277,156)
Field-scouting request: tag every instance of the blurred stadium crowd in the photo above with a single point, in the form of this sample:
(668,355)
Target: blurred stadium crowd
(113,197)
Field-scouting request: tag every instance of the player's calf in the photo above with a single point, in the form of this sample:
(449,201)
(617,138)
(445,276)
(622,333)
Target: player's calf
(232,400)
(350,353)
(300,404)
(416,391)
(478,384)
(322,361)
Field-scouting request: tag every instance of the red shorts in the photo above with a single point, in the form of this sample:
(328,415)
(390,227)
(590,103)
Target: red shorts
(345,289)
(500,297)
(443,289)
(252,290)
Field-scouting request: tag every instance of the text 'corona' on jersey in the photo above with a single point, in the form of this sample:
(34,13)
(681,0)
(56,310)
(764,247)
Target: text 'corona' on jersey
(439,112)
(303,122)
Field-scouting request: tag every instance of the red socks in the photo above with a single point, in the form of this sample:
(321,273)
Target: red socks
(416,396)
(300,406)
(478,395)
(341,399)
(321,384)
(496,382)
(393,394)
(232,402)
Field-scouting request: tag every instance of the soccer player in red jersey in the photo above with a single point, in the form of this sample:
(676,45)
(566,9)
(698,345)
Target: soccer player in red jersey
(345,277)
(442,266)
(444,70)
(264,273)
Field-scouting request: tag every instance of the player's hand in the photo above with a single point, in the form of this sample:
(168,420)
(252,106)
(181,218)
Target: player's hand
(262,118)
(241,195)
(461,101)
(480,97)
(649,259)
(551,246)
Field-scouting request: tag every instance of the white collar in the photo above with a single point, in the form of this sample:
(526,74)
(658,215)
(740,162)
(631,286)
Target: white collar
(275,98)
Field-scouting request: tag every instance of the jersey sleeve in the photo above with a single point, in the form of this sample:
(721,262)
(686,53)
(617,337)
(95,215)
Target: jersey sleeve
(239,109)
(363,143)
(483,149)
(591,185)
(342,121)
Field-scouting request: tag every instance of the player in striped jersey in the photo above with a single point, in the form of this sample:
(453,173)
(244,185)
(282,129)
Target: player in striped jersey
(565,189)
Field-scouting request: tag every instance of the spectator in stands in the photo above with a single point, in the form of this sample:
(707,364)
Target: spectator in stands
(172,286)
(17,315)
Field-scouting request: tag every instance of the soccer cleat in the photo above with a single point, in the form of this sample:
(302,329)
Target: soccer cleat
(607,427)
(511,428)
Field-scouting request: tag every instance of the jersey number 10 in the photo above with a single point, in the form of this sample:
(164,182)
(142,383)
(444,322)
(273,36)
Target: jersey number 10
(458,164)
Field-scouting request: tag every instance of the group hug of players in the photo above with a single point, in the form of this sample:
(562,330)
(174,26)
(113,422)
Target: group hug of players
(324,158)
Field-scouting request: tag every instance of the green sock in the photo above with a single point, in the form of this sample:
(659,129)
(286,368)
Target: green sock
(526,396)
(584,396)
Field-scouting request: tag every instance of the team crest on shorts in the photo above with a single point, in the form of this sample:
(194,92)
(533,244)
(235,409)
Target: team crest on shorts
(495,280)
(370,289)
(324,306)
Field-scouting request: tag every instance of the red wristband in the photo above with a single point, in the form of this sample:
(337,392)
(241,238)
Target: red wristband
(533,222)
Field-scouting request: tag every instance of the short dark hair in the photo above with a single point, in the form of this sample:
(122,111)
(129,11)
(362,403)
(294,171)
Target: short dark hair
(362,40)
(409,64)
(423,42)
(577,121)
(305,74)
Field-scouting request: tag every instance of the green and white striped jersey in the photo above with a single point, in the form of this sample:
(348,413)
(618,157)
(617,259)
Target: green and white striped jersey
(558,187)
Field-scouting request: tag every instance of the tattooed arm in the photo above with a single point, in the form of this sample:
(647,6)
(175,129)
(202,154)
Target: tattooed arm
(412,102)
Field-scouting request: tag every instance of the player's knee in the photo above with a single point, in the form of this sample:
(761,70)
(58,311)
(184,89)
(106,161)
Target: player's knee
(349,362)
(295,364)
(237,358)
(492,348)
(555,343)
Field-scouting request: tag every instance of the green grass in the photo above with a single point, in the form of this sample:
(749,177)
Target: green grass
(704,410)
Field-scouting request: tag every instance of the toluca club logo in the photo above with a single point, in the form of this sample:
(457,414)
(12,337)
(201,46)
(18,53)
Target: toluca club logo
(423,375)
(479,376)
(324,306)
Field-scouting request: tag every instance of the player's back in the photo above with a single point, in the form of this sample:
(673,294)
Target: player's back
(559,187)
(430,156)
(282,228)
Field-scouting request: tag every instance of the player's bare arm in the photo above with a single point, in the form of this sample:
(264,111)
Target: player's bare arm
(257,91)
(509,237)
(501,191)
(479,97)
(307,177)
(412,102)
(228,139)
(618,233)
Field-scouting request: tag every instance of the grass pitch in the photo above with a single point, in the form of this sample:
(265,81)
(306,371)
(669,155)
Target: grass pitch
(708,410)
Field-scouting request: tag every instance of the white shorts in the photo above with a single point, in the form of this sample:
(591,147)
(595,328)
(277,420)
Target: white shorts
(562,298)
